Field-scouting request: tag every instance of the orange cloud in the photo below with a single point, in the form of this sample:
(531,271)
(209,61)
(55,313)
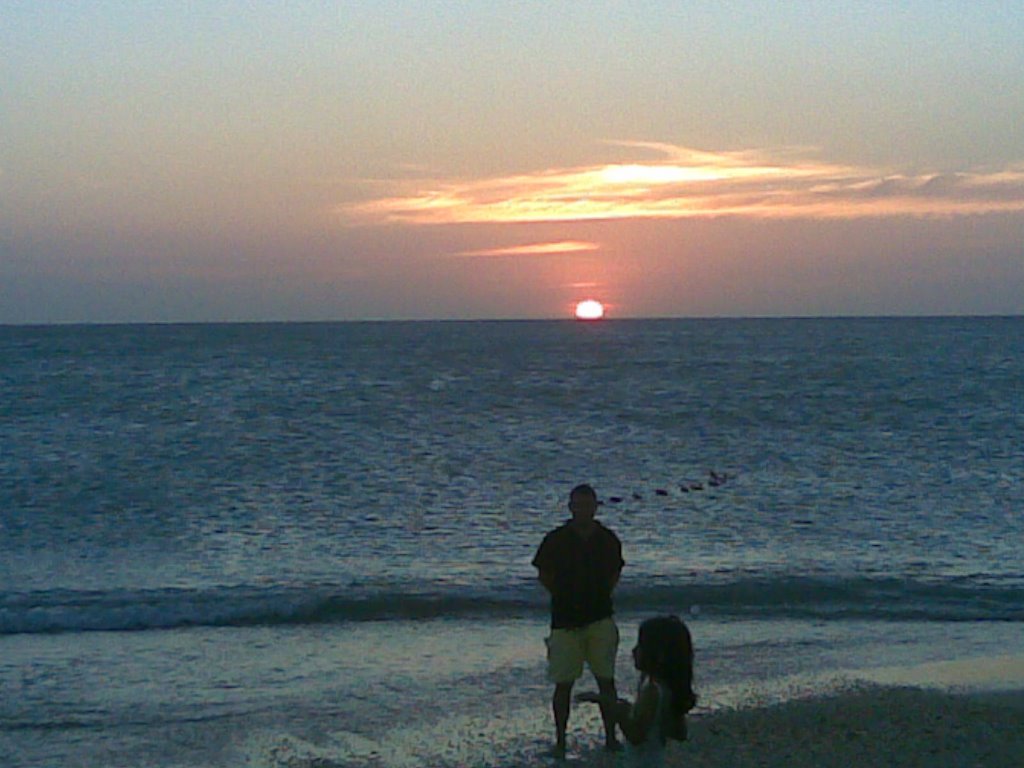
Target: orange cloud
(535,249)
(688,183)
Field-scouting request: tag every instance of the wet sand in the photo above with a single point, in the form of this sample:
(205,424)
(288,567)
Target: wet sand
(951,714)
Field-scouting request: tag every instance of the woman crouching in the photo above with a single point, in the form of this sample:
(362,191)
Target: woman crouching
(664,657)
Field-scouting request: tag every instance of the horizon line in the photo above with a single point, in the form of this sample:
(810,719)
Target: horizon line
(559,319)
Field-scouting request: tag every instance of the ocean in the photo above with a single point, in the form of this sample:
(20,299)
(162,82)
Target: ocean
(310,544)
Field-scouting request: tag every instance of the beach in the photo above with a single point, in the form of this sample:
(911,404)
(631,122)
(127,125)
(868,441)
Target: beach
(953,714)
(871,726)
(865,724)
(874,726)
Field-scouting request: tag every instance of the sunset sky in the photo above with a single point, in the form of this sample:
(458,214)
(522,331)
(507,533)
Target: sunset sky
(403,160)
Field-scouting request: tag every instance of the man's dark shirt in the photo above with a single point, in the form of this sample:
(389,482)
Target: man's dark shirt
(583,573)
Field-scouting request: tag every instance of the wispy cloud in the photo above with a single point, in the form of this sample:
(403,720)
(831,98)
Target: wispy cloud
(688,183)
(535,249)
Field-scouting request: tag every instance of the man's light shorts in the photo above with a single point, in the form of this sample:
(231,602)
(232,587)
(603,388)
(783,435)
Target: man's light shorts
(597,644)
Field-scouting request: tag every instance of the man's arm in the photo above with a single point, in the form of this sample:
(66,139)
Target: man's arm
(617,563)
(544,562)
(547,578)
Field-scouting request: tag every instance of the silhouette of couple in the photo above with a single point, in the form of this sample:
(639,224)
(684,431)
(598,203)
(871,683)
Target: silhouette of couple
(579,564)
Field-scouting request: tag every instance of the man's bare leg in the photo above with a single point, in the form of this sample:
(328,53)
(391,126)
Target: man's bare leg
(561,702)
(606,687)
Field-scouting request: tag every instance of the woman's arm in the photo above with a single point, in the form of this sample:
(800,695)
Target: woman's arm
(635,720)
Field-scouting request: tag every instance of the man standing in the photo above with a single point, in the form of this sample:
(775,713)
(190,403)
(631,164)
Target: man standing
(579,564)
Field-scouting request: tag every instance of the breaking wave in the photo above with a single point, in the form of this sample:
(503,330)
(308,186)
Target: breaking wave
(748,598)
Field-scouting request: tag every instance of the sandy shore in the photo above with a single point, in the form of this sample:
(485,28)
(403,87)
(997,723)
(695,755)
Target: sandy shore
(871,727)
(955,714)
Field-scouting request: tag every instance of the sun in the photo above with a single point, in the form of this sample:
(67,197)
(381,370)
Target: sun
(589,310)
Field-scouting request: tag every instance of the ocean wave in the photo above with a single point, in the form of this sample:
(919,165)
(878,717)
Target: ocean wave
(71,611)
(750,598)
(894,599)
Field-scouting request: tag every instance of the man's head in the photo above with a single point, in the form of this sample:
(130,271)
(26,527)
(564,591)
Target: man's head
(583,503)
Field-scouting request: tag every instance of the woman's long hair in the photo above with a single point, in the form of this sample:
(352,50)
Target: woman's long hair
(666,653)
